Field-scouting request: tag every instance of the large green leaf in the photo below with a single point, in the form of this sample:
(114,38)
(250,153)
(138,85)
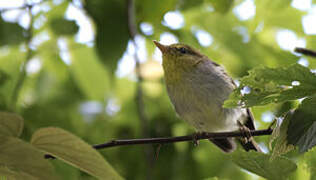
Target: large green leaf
(20,159)
(261,164)
(302,128)
(273,85)
(74,151)
(10,124)
(6,173)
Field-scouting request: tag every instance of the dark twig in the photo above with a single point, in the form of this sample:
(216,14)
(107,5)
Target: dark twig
(305,51)
(166,140)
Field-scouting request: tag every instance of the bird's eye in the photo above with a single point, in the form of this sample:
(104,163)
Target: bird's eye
(183,50)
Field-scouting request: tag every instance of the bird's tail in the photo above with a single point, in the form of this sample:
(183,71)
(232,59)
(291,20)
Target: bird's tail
(226,144)
(249,144)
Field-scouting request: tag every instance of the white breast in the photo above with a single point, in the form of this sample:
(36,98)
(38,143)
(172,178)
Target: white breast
(199,96)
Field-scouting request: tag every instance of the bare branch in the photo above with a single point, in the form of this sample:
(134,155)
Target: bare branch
(305,51)
(132,27)
(166,140)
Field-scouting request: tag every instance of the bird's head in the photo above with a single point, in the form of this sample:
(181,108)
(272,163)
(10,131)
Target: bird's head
(179,57)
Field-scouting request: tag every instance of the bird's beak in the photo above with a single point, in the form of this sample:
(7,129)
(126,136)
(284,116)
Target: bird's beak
(163,48)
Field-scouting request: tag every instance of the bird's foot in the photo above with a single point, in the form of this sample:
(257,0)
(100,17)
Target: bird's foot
(245,132)
(196,142)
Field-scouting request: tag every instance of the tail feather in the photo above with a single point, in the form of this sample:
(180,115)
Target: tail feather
(249,144)
(227,144)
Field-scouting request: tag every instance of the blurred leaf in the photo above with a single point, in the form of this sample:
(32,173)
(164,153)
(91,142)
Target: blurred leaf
(3,77)
(10,63)
(89,73)
(10,33)
(266,10)
(74,151)
(279,136)
(62,26)
(10,124)
(24,160)
(222,6)
(112,34)
(310,159)
(261,164)
(302,127)
(153,11)
(273,85)
(187,4)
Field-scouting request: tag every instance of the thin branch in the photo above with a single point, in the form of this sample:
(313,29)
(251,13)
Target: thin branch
(166,140)
(29,54)
(132,27)
(305,51)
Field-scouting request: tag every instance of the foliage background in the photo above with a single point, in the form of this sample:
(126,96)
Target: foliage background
(91,88)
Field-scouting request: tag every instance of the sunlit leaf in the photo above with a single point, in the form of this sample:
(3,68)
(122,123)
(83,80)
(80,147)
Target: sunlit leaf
(302,128)
(10,124)
(279,137)
(261,164)
(20,159)
(72,150)
(273,85)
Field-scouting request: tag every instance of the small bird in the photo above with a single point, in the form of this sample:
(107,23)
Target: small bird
(197,88)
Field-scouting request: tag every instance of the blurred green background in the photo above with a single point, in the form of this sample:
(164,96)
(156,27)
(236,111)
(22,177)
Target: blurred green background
(75,64)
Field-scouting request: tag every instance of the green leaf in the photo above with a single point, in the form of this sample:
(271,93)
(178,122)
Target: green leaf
(10,33)
(273,85)
(89,73)
(10,124)
(279,135)
(310,160)
(302,127)
(261,164)
(112,34)
(6,173)
(153,11)
(187,4)
(266,10)
(21,159)
(222,6)
(3,77)
(61,26)
(74,151)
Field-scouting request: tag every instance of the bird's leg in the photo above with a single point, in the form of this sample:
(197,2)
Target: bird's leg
(245,131)
(196,142)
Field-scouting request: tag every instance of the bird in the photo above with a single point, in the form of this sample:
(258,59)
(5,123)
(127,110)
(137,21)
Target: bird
(197,88)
